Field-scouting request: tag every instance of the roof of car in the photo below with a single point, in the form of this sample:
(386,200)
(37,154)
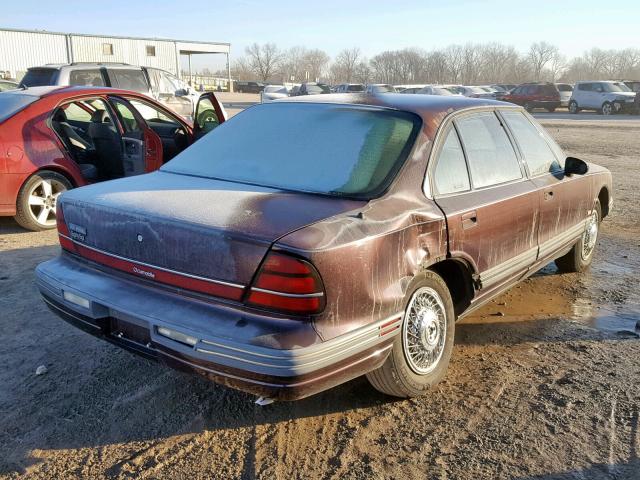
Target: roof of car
(42,92)
(432,108)
(58,66)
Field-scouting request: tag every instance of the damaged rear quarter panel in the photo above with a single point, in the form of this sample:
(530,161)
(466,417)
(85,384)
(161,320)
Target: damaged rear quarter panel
(368,257)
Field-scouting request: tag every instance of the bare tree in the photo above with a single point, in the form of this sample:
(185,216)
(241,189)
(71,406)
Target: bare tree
(539,55)
(240,70)
(557,66)
(315,62)
(345,65)
(292,65)
(264,60)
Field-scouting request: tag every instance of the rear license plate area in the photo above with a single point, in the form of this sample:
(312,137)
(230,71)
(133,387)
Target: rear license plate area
(130,332)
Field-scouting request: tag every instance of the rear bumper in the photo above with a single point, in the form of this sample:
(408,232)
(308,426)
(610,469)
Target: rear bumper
(546,103)
(275,357)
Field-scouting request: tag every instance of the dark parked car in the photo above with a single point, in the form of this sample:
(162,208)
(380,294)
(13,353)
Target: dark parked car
(284,268)
(535,95)
(249,87)
(56,138)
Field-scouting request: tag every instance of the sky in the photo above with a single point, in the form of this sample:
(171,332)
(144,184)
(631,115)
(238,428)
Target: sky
(574,26)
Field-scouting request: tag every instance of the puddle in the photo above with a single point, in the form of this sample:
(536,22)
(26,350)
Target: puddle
(619,320)
(550,296)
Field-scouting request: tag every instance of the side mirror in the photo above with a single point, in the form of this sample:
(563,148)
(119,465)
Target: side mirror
(575,166)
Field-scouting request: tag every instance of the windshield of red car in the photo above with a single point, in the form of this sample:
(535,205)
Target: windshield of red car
(332,149)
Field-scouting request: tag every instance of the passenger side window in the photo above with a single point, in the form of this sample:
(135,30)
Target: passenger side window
(451,175)
(492,159)
(86,78)
(129,80)
(128,118)
(536,150)
(76,113)
(151,114)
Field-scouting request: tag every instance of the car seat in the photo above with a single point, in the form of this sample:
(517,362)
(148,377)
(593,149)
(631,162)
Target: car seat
(108,145)
(79,148)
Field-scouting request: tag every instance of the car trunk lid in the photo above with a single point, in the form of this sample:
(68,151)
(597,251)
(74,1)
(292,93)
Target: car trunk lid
(202,228)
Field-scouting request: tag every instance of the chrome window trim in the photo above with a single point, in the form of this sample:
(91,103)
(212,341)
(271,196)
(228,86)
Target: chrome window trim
(428,187)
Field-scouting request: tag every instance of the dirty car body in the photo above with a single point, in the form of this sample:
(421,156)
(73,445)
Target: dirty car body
(286,289)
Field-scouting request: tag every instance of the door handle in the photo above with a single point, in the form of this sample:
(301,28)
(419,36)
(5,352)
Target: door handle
(469,219)
(548,195)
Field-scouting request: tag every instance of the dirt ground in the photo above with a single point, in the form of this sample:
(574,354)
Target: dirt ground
(543,384)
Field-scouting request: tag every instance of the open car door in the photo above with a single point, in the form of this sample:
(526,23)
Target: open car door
(209,114)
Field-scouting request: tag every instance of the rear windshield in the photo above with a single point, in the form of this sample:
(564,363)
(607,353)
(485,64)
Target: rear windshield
(563,87)
(39,77)
(355,88)
(11,103)
(548,90)
(329,149)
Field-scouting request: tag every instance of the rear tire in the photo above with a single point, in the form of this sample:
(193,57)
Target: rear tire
(551,110)
(580,256)
(421,351)
(607,108)
(528,107)
(36,202)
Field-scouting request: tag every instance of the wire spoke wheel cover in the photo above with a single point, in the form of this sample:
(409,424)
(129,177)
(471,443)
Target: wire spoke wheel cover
(424,330)
(590,236)
(42,201)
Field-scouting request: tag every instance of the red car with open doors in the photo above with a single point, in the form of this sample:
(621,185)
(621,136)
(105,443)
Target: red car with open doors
(56,138)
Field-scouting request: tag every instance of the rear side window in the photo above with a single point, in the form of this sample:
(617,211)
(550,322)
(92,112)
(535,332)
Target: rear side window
(492,159)
(585,87)
(86,78)
(534,147)
(451,174)
(39,77)
(129,80)
(548,89)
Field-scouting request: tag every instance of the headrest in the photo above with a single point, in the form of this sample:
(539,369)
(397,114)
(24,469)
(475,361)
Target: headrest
(100,116)
(59,116)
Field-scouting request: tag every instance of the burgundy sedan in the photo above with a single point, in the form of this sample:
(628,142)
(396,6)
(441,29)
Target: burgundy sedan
(55,138)
(284,266)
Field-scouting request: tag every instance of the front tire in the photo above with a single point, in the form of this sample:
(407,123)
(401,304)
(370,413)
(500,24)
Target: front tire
(551,110)
(421,352)
(573,107)
(580,256)
(36,202)
(528,107)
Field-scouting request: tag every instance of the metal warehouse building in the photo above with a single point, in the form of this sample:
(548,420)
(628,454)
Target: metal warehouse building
(21,49)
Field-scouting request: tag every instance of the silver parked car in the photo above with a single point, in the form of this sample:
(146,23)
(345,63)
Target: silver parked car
(436,90)
(158,84)
(606,97)
(273,92)
(380,88)
(565,90)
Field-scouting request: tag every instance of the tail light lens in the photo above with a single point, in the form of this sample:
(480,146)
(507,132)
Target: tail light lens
(63,231)
(287,284)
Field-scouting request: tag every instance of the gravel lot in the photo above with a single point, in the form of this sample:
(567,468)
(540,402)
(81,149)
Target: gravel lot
(544,382)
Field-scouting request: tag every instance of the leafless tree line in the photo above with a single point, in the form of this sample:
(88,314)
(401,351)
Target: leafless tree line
(468,64)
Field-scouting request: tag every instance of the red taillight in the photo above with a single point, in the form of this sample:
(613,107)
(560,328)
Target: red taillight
(63,231)
(287,284)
